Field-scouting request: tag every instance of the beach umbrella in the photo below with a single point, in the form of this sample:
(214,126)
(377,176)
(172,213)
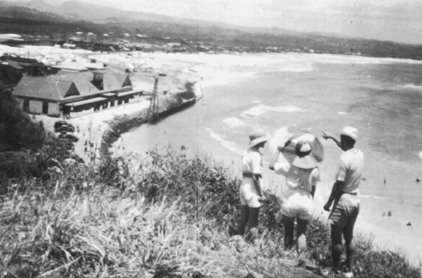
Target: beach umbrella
(79,33)
(90,34)
(295,157)
(105,35)
(126,35)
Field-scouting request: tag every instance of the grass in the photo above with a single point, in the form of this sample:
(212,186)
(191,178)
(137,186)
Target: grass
(163,216)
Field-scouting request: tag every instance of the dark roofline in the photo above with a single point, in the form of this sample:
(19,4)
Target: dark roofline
(20,59)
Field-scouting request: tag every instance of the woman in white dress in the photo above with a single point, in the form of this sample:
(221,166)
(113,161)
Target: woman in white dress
(298,161)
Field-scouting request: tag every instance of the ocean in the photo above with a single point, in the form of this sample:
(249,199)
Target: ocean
(286,93)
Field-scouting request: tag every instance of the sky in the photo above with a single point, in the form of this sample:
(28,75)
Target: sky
(394,20)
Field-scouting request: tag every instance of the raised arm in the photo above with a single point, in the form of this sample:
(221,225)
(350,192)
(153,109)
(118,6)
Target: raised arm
(327,135)
(279,163)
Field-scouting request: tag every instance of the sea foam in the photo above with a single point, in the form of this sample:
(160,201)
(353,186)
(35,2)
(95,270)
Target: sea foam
(374,197)
(411,86)
(225,143)
(254,112)
(233,122)
(296,67)
(261,109)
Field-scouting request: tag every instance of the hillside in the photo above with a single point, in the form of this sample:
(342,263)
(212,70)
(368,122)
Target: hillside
(62,21)
(171,216)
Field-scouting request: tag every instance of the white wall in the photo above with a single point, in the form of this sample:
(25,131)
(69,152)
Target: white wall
(53,109)
(20,102)
(35,106)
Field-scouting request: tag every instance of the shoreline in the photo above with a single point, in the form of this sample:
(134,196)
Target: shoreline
(218,71)
(122,124)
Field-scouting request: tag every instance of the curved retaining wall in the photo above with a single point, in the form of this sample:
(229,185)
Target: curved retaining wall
(166,106)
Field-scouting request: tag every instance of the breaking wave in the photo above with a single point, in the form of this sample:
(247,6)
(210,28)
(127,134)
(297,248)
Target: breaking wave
(375,197)
(411,86)
(261,109)
(225,143)
(233,122)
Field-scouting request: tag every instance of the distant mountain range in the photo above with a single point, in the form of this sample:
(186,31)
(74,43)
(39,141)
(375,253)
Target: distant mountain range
(37,16)
(79,10)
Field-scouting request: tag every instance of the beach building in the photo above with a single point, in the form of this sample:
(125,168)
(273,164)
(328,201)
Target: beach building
(80,65)
(81,42)
(10,71)
(66,93)
(13,67)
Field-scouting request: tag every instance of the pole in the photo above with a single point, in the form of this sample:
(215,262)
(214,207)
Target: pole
(89,141)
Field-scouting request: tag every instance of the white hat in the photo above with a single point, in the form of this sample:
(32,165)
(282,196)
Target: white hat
(350,132)
(257,137)
(303,150)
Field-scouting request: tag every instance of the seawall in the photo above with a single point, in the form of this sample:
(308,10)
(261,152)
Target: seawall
(167,105)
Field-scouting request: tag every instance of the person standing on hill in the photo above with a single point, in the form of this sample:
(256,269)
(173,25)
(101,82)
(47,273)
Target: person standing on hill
(345,196)
(250,191)
(302,154)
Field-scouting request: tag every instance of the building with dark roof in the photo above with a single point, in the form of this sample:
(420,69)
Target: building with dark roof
(64,93)
(13,67)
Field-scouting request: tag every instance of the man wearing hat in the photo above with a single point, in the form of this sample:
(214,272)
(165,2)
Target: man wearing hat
(251,189)
(302,154)
(344,194)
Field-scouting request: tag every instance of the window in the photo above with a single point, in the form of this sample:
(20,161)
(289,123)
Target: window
(25,105)
(45,107)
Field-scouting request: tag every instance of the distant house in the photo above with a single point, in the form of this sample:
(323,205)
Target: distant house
(80,66)
(65,93)
(143,46)
(10,71)
(105,46)
(80,42)
(13,67)
(178,49)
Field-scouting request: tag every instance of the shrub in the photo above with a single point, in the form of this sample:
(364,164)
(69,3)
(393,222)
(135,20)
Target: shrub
(17,130)
(164,216)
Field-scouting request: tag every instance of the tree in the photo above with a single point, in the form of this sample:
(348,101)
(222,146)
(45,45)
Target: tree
(17,130)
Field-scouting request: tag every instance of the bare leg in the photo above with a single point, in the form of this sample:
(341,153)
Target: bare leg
(244,217)
(337,246)
(288,223)
(301,237)
(252,230)
(350,244)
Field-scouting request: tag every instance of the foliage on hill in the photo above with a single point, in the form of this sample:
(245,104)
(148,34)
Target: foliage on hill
(18,135)
(24,20)
(17,130)
(163,216)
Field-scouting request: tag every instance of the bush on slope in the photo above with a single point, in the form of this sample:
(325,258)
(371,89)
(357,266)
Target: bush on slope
(169,218)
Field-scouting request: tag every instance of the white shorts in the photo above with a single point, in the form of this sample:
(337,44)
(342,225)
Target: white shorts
(297,203)
(248,194)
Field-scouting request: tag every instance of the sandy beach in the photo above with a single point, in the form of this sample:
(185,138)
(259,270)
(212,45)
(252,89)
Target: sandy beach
(90,125)
(179,69)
